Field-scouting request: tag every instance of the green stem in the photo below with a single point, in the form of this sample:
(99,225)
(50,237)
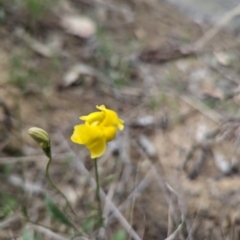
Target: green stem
(98,192)
(48,152)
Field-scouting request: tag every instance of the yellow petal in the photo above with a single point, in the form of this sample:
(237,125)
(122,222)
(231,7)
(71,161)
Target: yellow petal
(121,121)
(101,107)
(109,133)
(94,118)
(120,126)
(92,137)
(97,148)
(110,118)
(86,134)
(76,136)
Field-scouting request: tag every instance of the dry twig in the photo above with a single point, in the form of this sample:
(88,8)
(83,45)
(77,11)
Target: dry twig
(9,220)
(47,232)
(174,234)
(211,33)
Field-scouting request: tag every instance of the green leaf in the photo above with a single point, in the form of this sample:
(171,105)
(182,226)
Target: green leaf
(7,205)
(24,210)
(27,235)
(89,223)
(56,213)
(37,238)
(7,169)
(119,235)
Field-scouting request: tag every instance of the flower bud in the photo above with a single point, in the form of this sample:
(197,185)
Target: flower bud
(40,136)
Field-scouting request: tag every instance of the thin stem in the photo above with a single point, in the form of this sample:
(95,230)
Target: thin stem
(53,185)
(48,153)
(98,192)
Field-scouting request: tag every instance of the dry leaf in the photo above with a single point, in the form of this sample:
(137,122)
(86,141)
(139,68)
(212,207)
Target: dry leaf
(221,163)
(143,121)
(224,58)
(79,26)
(44,49)
(73,75)
(147,145)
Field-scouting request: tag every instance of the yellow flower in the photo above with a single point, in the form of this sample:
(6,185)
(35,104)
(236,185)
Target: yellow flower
(99,128)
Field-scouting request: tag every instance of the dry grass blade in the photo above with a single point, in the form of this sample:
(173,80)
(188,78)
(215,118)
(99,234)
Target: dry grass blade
(106,208)
(9,220)
(174,234)
(47,232)
(27,186)
(38,47)
(164,186)
(195,103)
(141,186)
(218,26)
(170,222)
(10,160)
(134,197)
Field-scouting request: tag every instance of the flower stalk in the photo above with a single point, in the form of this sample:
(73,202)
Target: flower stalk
(98,198)
(51,182)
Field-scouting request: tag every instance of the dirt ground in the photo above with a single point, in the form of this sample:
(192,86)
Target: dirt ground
(173,173)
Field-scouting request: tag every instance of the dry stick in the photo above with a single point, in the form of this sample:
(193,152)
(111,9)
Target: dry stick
(121,218)
(134,198)
(141,186)
(170,221)
(7,160)
(154,171)
(106,208)
(190,230)
(29,221)
(81,168)
(161,182)
(110,195)
(182,211)
(199,44)
(47,232)
(26,186)
(174,234)
(125,156)
(9,220)
(196,169)
(232,230)
(13,237)
(195,103)
(222,231)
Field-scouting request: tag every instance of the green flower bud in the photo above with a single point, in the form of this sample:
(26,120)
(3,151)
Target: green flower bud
(40,136)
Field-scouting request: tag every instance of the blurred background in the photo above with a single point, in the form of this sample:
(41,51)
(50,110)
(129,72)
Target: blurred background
(170,69)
